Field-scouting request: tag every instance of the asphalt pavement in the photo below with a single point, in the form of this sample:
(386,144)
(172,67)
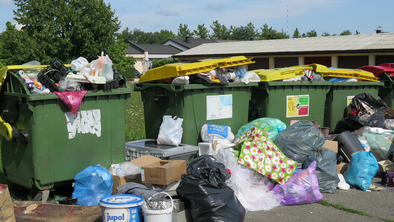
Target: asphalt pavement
(378,204)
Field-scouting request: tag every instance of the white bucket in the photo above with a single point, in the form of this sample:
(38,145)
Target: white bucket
(121,208)
(158,215)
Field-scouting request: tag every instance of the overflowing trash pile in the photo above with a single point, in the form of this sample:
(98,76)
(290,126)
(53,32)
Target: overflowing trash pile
(261,165)
(81,75)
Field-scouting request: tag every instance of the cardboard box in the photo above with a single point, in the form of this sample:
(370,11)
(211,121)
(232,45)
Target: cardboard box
(163,172)
(342,167)
(136,178)
(386,165)
(331,145)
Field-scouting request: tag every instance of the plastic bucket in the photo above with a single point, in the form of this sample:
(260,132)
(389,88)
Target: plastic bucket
(121,208)
(158,215)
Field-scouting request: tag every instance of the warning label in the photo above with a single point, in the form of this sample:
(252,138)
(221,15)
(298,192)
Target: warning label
(297,105)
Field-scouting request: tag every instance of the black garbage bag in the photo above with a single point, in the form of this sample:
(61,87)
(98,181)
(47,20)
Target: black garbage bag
(300,140)
(205,189)
(364,110)
(326,169)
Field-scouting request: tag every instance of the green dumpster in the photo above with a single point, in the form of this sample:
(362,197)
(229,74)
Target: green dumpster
(386,93)
(341,95)
(197,104)
(289,101)
(50,145)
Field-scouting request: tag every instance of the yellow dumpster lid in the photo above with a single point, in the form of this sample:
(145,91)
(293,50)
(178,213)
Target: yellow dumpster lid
(345,73)
(182,69)
(267,75)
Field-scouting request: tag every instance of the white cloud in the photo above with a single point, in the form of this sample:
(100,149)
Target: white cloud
(216,7)
(167,12)
(18,26)
(6,2)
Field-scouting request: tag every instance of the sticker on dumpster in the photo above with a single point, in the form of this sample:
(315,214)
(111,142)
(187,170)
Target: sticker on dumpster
(297,105)
(219,107)
(86,121)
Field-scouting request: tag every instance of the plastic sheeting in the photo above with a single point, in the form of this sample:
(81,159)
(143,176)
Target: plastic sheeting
(204,186)
(326,169)
(300,140)
(253,190)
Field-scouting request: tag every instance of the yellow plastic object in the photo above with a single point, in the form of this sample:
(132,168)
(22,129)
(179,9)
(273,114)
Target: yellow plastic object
(182,69)
(345,73)
(267,75)
(232,61)
(5,128)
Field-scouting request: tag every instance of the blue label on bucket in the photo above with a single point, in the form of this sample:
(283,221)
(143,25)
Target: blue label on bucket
(121,208)
(217,131)
(122,214)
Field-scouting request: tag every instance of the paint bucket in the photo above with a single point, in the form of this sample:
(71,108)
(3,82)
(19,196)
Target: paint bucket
(158,215)
(121,208)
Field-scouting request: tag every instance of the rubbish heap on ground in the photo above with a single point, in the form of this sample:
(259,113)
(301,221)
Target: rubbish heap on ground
(230,169)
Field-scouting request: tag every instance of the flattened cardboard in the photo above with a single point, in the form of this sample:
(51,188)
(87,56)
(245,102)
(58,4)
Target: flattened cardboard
(342,167)
(136,178)
(331,145)
(164,172)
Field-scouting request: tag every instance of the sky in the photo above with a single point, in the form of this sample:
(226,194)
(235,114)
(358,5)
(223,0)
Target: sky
(331,16)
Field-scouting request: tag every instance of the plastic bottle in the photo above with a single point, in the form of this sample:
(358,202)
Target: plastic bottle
(29,82)
(63,84)
(229,75)
(120,172)
(181,80)
(79,63)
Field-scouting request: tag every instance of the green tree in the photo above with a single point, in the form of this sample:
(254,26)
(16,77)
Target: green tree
(296,34)
(346,32)
(62,30)
(201,32)
(242,32)
(357,33)
(311,33)
(168,34)
(161,62)
(219,32)
(118,55)
(269,33)
(184,31)
(325,34)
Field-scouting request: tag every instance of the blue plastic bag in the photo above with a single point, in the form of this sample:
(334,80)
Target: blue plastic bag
(362,168)
(92,184)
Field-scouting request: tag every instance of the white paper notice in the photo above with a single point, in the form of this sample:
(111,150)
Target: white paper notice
(219,107)
(86,121)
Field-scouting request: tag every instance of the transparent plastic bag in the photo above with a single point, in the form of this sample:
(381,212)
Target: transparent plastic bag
(170,131)
(253,190)
(104,66)
(92,184)
(210,132)
(302,188)
(270,127)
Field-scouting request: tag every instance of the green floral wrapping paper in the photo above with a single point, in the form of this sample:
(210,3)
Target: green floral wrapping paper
(258,152)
